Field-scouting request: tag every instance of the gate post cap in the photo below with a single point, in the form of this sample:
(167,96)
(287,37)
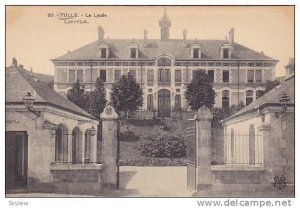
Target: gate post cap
(109,113)
(203,114)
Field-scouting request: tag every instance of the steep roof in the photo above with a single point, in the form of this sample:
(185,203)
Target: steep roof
(270,98)
(20,81)
(149,49)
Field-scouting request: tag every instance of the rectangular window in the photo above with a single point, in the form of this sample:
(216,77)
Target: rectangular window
(117,75)
(250,76)
(62,75)
(150,76)
(177,75)
(161,75)
(167,75)
(133,73)
(211,74)
(225,53)
(103,75)
(103,52)
(72,76)
(196,53)
(80,75)
(150,102)
(133,53)
(258,76)
(177,102)
(194,73)
(225,75)
(249,100)
(225,102)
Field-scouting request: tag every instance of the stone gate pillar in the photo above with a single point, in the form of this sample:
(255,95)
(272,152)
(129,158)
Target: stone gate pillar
(203,148)
(109,147)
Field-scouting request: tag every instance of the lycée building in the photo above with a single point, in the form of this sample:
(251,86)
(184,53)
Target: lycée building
(165,66)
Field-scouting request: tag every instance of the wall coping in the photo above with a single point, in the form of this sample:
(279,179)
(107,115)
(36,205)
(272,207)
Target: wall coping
(75,167)
(237,168)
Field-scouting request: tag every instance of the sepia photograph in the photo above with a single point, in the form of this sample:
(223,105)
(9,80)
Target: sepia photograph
(150,101)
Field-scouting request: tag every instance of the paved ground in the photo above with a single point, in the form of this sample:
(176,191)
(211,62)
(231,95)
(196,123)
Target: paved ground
(139,182)
(154,181)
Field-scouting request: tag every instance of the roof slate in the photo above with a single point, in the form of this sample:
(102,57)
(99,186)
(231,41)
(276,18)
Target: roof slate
(150,49)
(20,81)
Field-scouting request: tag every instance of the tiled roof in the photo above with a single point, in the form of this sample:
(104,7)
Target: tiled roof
(271,98)
(44,78)
(20,81)
(149,49)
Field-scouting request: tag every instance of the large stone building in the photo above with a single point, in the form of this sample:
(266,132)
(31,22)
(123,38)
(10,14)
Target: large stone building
(165,66)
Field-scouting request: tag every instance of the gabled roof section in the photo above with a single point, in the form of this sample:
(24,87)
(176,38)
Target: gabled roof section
(20,81)
(149,49)
(270,98)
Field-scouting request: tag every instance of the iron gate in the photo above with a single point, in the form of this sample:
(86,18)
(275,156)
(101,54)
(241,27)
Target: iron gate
(191,158)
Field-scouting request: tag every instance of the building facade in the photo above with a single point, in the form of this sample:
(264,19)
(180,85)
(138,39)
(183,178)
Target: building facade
(164,67)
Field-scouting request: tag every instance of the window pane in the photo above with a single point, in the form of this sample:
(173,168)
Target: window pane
(150,76)
(225,76)
(225,53)
(196,53)
(117,75)
(62,75)
(249,100)
(225,99)
(103,75)
(177,75)
(250,76)
(150,102)
(161,75)
(211,74)
(80,75)
(167,75)
(132,53)
(72,76)
(103,52)
(258,76)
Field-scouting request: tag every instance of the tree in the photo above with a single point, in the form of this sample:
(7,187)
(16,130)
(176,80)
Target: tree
(77,95)
(127,95)
(97,99)
(269,85)
(200,91)
(222,113)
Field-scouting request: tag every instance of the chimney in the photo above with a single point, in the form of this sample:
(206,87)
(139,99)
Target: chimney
(21,66)
(145,34)
(14,62)
(231,36)
(100,34)
(184,33)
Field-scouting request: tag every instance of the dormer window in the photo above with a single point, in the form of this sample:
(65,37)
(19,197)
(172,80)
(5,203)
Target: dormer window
(196,51)
(103,51)
(225,53)
(133,53)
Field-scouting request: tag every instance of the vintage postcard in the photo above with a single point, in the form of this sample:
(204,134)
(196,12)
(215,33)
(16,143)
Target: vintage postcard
(150,101)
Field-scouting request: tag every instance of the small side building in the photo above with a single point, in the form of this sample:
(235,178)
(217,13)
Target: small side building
(262,136)
(50,143)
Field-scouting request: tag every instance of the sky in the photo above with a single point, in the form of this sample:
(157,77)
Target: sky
(34,37)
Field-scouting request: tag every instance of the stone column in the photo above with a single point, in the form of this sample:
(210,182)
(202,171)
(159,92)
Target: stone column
(82,145)
(69,142)
(271,155)
(109,147)
(93,148)
(203,144)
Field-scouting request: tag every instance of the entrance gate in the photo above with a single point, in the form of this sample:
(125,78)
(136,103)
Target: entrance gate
(191,158)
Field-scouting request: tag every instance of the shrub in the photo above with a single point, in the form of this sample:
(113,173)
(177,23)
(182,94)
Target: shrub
(163,146)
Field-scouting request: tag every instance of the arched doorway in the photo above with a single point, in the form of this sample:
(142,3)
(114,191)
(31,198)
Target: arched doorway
(164,103)
(76,139)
